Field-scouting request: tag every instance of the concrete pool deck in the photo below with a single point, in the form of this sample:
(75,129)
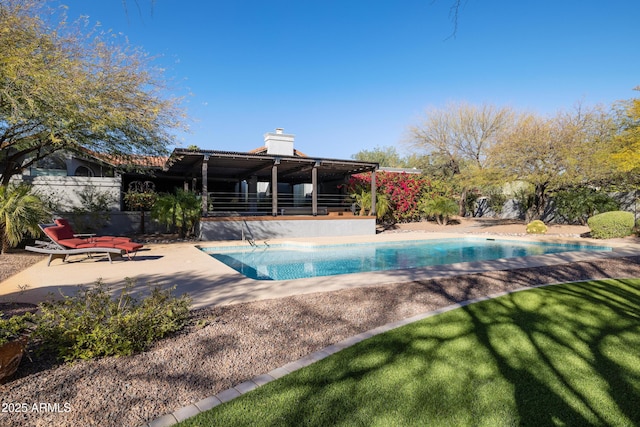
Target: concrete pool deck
(209,282)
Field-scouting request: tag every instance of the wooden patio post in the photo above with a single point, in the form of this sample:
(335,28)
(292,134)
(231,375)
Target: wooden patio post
(205,185)
(274,187)
(373,193)
(314,189)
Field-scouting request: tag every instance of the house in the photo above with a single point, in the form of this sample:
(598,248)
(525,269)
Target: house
(272,191)
(274,187)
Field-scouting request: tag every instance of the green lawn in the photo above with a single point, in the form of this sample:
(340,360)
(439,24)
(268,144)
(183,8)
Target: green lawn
(560,355)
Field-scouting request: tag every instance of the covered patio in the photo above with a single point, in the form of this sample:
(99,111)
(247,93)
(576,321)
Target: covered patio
(263,194)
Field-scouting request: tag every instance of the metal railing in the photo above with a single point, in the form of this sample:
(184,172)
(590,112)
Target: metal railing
(228,204)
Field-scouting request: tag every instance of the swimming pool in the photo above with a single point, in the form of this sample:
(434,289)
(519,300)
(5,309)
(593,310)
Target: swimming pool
(297,261)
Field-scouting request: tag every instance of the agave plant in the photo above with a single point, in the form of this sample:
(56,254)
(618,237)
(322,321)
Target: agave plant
(21,210)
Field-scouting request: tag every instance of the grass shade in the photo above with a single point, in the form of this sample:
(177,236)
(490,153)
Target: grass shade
(562,355)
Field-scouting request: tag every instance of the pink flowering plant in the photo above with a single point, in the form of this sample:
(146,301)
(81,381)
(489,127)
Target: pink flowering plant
(404,192)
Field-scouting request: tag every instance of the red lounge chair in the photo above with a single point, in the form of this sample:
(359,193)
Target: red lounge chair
(93,238)
(64,243)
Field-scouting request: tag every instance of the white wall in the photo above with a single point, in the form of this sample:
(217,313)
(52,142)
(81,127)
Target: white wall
(65,189)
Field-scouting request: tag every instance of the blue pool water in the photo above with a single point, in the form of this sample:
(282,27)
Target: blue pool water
(291,261)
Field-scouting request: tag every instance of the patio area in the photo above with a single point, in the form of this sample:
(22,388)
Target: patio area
(209,282)
(246,328)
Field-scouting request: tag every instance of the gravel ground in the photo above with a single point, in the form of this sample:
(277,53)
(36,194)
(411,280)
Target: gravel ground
(10,264)
(226,345)
(16,261)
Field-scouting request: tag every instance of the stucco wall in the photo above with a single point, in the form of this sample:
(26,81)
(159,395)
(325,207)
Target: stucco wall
(284,227)
(65,190)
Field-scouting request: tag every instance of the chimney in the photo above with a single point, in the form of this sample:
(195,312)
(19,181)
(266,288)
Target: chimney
(279,143)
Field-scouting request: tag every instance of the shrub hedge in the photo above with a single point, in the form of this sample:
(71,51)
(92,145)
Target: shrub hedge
(610,225)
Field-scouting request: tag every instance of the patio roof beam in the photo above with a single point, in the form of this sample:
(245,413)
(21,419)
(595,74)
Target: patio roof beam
(251,172)
(297,169)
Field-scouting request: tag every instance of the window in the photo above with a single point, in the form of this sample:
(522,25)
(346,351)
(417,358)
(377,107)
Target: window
(83,171)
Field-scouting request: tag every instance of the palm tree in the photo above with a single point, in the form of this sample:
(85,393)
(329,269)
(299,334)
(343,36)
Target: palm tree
(179,211)
(363,200)
(442,208)
(21,210)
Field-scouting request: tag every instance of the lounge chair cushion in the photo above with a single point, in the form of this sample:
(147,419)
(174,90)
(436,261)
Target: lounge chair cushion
(110,239)
(128,246)
(69,230)
(58,233)
(96,245)
(63,222)
(61,235)
(73,243)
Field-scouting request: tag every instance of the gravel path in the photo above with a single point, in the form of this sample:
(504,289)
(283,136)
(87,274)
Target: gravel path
(224,346)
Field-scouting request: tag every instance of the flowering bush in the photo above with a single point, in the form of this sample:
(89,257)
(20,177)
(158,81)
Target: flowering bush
(403,190)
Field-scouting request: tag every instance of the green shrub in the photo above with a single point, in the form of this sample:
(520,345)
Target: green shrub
(93,324)
(536,227)
(95,209)
(470,202)
(363,200)
(496,201)
(21,210)
(525,199)
(578,204)
(180,211)
(610,225)
(14,327)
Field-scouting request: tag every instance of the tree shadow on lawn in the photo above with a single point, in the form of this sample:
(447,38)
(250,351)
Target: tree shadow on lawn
(552,357)
(554,351)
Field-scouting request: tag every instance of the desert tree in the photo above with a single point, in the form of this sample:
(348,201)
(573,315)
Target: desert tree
(553,153)
(385,156)
(460,136)
(626,143)
(67,86)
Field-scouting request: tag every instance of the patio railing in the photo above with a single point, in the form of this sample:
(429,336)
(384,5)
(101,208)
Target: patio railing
(231,204)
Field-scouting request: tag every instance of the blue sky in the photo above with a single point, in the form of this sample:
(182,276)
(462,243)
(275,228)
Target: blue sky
(349,75)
